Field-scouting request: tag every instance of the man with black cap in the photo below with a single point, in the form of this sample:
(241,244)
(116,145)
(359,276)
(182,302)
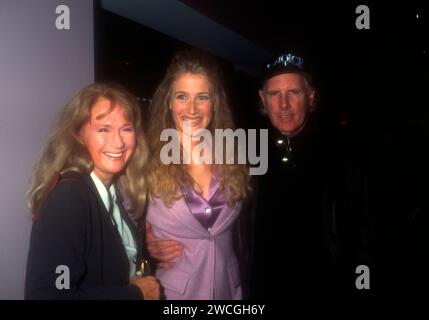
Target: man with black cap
(287,94)
(308,238)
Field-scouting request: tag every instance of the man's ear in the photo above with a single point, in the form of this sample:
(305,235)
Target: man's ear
(262,104)
(261,95)
(312,99)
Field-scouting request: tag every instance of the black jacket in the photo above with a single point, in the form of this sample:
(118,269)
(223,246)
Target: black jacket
(75,230)
(310,218)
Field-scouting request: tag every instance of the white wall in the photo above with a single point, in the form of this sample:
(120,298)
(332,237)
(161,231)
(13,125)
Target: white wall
(41,68)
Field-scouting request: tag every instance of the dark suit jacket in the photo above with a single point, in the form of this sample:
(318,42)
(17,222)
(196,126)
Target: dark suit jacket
(311,212)
(75,230)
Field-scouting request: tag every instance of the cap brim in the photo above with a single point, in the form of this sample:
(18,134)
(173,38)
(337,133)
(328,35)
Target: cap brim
(281,70)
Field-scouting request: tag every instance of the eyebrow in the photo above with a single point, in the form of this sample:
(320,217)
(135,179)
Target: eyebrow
(100,125)
(278,90)
(109,125)
(184,92)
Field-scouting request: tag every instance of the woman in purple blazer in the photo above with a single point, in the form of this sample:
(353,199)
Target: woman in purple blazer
(194,202)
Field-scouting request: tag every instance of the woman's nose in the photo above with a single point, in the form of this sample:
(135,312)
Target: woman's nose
(193,107)
(117,140)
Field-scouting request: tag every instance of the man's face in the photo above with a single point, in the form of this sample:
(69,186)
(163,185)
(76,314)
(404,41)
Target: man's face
(287,99)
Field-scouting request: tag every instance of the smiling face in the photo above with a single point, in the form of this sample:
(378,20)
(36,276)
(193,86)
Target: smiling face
(287,99)
(109,138)
(191,101)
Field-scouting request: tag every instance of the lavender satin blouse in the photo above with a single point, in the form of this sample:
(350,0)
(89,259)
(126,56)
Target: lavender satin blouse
(205,211)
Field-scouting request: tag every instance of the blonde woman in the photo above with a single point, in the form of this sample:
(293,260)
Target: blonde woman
(83,244)
(194,206)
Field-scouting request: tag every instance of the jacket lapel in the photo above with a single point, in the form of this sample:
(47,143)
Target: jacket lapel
(105,213)
(131,226)
(225,218)
(181,212)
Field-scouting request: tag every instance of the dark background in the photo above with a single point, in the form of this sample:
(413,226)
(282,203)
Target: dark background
(372,86)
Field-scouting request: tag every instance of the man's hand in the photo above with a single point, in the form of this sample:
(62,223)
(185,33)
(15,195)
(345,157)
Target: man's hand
(165,251)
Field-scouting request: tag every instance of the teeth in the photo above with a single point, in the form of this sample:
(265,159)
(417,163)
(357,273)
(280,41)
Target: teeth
(114,155)
(193,120)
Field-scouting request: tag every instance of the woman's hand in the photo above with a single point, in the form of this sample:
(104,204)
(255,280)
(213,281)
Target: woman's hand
(149,286)
(165,251)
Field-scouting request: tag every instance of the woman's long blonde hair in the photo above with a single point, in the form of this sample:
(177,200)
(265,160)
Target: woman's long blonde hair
(165,179)
(65,151)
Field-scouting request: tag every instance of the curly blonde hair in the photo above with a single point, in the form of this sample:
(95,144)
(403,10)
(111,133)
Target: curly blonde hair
(165,179)
(65,151)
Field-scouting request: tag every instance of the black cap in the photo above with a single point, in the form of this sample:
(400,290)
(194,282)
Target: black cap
(285,63)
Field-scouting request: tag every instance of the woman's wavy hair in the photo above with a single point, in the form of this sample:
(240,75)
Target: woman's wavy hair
(166,179)
(65,150)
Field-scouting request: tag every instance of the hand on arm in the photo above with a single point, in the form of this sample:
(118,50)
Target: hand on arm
(164,251)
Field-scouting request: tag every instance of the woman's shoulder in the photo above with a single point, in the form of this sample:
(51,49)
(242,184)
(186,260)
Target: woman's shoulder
(66,210)
(71,193)
(72,183)
(155,201)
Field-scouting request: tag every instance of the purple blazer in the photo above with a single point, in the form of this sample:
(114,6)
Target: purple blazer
(208,267)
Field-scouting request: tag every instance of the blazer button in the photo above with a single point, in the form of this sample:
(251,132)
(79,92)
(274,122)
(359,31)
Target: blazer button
(210,233)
